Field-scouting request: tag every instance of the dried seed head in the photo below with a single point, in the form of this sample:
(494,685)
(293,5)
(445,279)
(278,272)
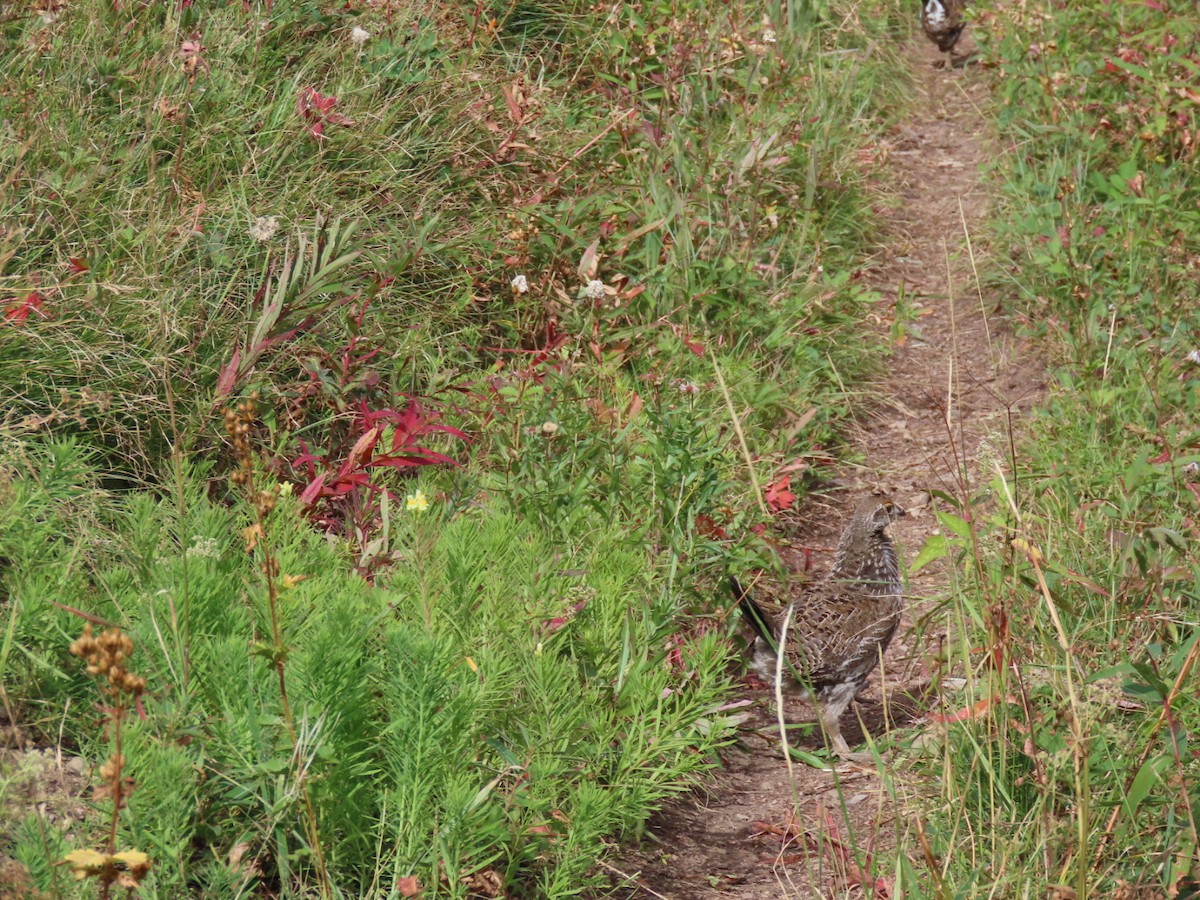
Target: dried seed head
(266,503)
(107,656)
(85,644)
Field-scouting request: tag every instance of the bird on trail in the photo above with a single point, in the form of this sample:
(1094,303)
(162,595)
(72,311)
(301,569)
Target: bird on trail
(839,626)
(943,23)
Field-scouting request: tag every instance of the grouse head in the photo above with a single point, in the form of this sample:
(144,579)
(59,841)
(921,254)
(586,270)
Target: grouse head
(865,552)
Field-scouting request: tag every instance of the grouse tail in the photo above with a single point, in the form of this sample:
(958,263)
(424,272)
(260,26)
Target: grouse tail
(752,611)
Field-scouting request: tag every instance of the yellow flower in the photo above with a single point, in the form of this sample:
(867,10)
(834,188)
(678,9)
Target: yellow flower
(417,502)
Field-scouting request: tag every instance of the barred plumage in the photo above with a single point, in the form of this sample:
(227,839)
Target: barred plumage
(841,625)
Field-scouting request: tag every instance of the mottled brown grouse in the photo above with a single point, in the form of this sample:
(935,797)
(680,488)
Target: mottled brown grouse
(841,625)
(943,23)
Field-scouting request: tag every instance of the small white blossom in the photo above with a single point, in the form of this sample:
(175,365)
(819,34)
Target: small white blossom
(1191,468)
(594,289)
(687,387)
(204,548)
(359,36)
(520,285)
(769,36)
(549,429)
(264,228)
(1194,357)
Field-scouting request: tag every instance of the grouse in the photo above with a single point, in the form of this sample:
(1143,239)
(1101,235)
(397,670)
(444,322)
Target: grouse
(943,22)
(840,626)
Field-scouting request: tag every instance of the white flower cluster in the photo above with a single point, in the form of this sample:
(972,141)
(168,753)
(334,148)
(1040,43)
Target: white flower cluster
(204,548)
(264,227)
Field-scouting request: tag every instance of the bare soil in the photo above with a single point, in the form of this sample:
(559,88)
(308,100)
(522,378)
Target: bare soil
(36,780)
(958,378)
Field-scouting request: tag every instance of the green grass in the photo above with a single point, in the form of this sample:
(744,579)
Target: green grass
(445,717)
(1075,616)
(358,692)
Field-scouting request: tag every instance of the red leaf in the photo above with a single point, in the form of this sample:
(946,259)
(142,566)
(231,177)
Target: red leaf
(304,101)
(306,460)
(707,527)
(409,886)
(695,346)
(1161,458)
(77,265)
(310,493)
(451,430)
(362,447)
(426,458)
(974,711)
(779,495)
(19,311)
(229,374)
(315,107)
(346,483)
(553,625)
(511,93)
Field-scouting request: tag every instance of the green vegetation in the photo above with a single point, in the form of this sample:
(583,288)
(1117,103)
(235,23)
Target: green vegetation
(467,283)
(1076,762)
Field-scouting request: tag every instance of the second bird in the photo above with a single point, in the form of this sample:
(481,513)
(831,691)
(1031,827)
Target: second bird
(943,23)
(841,626)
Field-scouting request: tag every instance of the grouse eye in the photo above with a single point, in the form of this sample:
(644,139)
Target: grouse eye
(888,513)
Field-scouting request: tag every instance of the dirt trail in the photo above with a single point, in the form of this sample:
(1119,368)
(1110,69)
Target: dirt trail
(703,845)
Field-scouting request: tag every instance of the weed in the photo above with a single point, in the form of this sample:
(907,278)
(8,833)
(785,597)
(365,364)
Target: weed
(239,426)
(107,657)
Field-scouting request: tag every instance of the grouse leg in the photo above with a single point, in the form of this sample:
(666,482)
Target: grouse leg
(831,703)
